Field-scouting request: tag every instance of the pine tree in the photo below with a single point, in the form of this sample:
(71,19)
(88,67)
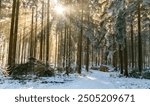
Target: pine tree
(79,52)
(132,44)
(140,60)
(13,33)
(48,32)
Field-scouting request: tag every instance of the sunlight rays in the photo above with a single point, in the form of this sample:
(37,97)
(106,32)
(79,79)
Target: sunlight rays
(59,9)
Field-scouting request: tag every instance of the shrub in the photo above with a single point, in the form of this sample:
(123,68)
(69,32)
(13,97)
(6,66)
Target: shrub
(104,68)
(32,67)
(135,73)
(146,75)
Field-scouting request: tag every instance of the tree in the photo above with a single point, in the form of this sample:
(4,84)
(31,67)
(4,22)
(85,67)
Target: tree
(140,60)
(48,32)
(0,8)
(13,33)
(32,35)
(132,43)
(79,52)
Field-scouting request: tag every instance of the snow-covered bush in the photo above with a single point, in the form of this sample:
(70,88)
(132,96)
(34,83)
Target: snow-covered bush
(32,67)
(135,73)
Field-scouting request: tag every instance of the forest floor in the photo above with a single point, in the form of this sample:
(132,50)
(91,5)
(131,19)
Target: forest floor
(91,80)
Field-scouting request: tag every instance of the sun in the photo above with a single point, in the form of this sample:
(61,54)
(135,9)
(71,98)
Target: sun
(55,1)
(59,9)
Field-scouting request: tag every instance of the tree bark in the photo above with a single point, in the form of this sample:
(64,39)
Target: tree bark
(31,37)
(79,52)
(87,54)
(47,39)
(132,45)
(11,36)
(35,34)
(140,60)
(125,58)
(0,8)
(42,33)
(121,59)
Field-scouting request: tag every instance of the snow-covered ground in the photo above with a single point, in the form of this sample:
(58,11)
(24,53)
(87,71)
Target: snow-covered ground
(92,80)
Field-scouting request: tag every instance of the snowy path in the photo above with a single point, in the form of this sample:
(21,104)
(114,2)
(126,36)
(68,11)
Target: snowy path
(91,80)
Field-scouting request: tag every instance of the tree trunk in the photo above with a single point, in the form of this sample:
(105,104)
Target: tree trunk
(56,51)
(136,52)
(92,60)
(31,37)
(114,53)
(69,44)
(121,59)
(60,52)
(42,32)
(69,41)
(149,49)
(19,49)
(11,36)
(16,31)
(79,52)
(64,51)
(140,60)
(35,34)
(0,8)
(87,54)
(67,51)
(132,46)
(125,58)
(47,42)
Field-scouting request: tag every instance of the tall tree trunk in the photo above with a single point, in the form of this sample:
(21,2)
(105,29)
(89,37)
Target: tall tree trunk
(48,26)
(35,36)
(44,41)
(140,60)
(69,44)
(56,51)
(88,42)
(132,45)
(69,40)
(16,31)
(23,48)
(92,54)
(98,55)
(87,54)
(136,52)
(64,50)
(31,37)
(0,8)
(19,48)
(59,51)
(125,58)
(121,59)
(149,49)
(96,59)
(114,53)
(79,52)
(67,52)
(102,56)
(42,33)
(144,52)
(61,48)
(11,36)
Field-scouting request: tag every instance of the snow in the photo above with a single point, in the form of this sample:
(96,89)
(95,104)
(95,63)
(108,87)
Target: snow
(91,80)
